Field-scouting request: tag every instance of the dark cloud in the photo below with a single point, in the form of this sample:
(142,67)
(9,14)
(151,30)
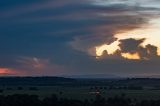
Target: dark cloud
(135,46)
(130,45)
(149,52)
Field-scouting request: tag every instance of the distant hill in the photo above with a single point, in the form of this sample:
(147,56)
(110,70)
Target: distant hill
(148,76)
(87,80)
(94,76)
(35,81)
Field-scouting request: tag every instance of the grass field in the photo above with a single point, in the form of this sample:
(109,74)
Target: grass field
(78,92)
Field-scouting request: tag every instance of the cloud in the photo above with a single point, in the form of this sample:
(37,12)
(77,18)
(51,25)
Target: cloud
(83,25)
(33,62)
(111,20)
(39,66)
(32,6)
(132,49)
(149,52)
(130,45)
(135,46)
(54,37)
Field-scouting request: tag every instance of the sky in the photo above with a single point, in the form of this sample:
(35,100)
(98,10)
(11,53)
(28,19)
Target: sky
(79,37)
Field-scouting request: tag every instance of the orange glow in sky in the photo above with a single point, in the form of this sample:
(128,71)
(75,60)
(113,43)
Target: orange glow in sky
(158,51)
(151,33)
(5,71)
(110,48)
(134,56)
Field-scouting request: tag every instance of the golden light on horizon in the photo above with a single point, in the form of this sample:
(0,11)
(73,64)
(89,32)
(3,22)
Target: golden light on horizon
(151,33)
(134,56)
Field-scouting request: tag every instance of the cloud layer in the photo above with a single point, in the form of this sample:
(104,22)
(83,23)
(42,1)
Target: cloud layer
(60,37)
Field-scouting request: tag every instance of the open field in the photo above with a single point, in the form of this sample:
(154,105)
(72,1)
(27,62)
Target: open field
(81,89)
(80,93)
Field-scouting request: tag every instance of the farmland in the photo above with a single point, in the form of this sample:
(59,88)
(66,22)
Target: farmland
(82,90)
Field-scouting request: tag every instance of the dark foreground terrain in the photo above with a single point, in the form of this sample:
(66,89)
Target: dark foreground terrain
(58,91)
(53,100)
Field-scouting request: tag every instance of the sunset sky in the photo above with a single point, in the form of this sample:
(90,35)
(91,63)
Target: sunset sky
(79,37)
